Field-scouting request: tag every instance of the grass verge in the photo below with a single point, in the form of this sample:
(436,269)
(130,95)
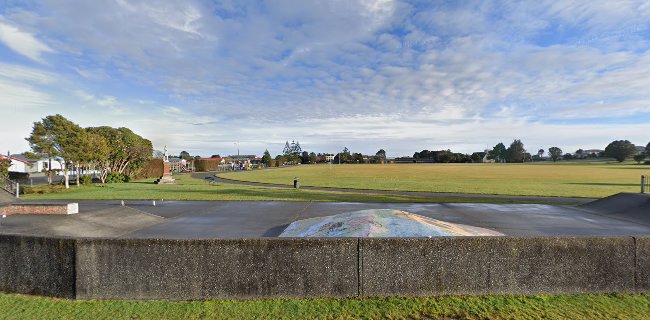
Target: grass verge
(188,188)
(612,306)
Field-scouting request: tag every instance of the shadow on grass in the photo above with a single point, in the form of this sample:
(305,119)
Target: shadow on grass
(604,184)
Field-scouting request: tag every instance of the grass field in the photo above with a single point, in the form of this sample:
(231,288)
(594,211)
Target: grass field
(188,188)
(544,179)
(616,306)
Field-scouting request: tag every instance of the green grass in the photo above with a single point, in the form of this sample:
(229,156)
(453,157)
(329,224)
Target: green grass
(572,179)
(188,188)
(614,306)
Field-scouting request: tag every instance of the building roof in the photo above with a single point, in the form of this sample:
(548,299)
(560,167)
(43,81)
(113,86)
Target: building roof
(12,158)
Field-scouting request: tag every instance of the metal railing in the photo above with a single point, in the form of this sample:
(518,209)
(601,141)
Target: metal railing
(645,184)
(10,186)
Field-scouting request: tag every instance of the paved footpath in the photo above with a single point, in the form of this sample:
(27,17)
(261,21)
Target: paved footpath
(6,197)
(532,199)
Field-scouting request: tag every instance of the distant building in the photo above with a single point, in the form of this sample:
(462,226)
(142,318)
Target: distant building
(329,157)
(20,163)
(593,152)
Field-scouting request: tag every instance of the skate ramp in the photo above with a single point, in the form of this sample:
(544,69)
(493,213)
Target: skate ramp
(627,206)
(381,223)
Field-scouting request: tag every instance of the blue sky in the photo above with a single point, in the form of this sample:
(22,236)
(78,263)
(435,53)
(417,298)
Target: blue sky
(403,76)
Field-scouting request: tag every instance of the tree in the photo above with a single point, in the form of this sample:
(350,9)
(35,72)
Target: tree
(304,157)
(540,153)
(555,153)
(579,154)
(218,156)
(185,155)
(620,150)
(59,137)
(127,151)
(498,153)
(4,168)
(381,155)
(313,158)
(42,143)
(266,158)
(639,157)
(343,156)
(516,151)
(647,149)
(287,149)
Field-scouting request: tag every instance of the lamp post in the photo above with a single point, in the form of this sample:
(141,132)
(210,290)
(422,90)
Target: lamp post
(237,143)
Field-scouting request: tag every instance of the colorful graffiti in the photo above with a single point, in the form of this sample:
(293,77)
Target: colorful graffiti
(381,223)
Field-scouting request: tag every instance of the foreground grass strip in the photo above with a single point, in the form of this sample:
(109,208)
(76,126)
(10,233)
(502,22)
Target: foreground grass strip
(587,179)
(188,188)
(614,306)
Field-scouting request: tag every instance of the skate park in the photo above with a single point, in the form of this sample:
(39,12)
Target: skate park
(200,250)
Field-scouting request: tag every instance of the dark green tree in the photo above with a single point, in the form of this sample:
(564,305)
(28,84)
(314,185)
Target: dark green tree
(639,157)
(620,150)
(555,153)
(498,153)
(185,155)
(516,151)
(59,137)
(312,157)
(304,157)
(381,155)
(266,158)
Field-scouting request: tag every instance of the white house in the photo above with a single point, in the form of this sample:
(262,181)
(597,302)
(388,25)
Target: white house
(24,164)
(17,165)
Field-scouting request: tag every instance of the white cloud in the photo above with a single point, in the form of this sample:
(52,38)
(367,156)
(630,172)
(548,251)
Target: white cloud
(23,43)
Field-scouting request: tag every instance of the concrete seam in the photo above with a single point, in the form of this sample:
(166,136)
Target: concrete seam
(636,262)
(144,212)
(74,268)
(359,267)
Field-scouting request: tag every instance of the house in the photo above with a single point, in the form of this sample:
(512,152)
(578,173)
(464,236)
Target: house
(40,165)
(17,165)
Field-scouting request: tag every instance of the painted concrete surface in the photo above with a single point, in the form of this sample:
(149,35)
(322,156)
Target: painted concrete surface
(235,219)
(380,223)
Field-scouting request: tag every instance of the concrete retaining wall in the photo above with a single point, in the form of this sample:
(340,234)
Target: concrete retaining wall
(266,268)
(216,269)
(39,266)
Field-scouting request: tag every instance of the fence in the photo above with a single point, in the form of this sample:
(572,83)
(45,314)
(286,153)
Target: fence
(645,184)
(10,186)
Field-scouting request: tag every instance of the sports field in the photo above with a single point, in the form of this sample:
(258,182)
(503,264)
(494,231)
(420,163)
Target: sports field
(543,179)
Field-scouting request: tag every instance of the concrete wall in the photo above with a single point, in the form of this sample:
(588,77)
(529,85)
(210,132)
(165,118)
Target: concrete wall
(216,269)
(265,268)
(39,266)
(497,265)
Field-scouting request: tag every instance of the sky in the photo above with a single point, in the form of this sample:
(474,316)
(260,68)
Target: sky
(211,76)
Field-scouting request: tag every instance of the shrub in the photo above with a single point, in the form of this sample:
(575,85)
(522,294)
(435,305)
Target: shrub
(152,169)
(21,177)
(117,178)
(86,179)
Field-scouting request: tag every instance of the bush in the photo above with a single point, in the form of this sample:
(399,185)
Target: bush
(647,162)
(86,179)
(117,178)
(152,169)
(21,177)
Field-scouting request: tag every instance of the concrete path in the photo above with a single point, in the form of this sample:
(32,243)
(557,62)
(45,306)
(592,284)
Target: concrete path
(6,197)
(244,219)
(533,199)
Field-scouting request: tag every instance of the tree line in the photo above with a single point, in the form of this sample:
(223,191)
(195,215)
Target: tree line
(115,153)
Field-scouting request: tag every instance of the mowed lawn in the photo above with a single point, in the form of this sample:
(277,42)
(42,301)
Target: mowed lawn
(543,179)
(613,306)
(188,188)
